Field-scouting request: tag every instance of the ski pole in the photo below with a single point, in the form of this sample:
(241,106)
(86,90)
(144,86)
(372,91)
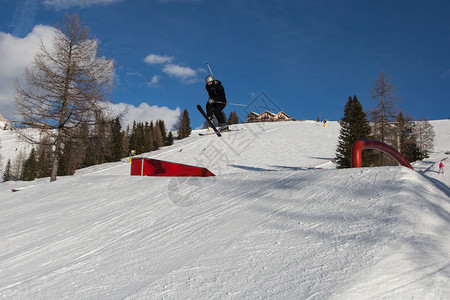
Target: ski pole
(237,104)
(221,101)
(210,69)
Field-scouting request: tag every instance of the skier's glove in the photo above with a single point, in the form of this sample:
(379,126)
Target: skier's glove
(211,101)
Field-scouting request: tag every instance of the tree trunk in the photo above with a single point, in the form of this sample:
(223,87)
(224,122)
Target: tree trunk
(54,167)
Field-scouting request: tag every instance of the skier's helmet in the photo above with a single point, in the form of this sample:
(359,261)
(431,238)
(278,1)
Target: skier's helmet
(209,78)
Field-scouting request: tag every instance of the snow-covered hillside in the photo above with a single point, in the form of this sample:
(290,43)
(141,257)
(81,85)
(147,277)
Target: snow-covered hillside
(278,221)
(11,146)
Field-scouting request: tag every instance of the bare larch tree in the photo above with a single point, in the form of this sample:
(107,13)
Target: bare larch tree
(424,134)
(385,113)
(65,87)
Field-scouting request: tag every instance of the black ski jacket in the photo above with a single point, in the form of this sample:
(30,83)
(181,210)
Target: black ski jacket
(216,91)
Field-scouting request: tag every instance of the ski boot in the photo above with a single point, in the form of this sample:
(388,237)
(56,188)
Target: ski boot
(223,127)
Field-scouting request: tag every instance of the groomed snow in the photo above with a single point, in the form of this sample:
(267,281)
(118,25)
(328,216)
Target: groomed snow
(278,221)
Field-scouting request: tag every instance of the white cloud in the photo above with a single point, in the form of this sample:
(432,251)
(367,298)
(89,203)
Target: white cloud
(155,82)
(64,4)
(147,113)
(158,59)
(186,74)
(16,54)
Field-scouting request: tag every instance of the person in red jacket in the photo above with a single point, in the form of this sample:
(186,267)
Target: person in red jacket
(441,167)
(217,101)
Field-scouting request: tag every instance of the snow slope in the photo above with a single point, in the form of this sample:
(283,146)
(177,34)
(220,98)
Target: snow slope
(278,221)
(12,146)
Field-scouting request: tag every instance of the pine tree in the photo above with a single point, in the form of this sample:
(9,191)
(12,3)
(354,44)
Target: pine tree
(126,141)
(184,127)
(140,138)
(29,171)
(233,118)
(65,161)
(133,138)
(44,154)
(102,139)
(90,157)
(187,123)
(169,140)
(158,139)
(144,137)
(354,126)
(407,144)
(162,128)
(117,137)
(7,172)
(74,153)
(152,137)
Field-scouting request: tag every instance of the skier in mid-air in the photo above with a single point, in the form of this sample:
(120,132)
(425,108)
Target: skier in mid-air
(216,102)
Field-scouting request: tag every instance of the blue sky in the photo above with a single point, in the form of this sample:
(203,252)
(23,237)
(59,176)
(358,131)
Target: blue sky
(303,57)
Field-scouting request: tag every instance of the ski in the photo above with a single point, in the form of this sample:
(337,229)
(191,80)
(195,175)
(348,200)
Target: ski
(222,131)
(200,109)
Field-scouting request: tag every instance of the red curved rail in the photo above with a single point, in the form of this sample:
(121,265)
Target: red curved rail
(359,145)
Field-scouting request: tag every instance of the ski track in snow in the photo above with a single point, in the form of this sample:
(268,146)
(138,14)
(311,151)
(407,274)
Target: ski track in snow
(269,225)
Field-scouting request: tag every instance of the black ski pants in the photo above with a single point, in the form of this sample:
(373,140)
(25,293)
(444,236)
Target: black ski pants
(215,109)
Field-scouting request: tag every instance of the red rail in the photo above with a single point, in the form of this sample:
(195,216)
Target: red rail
(359,145)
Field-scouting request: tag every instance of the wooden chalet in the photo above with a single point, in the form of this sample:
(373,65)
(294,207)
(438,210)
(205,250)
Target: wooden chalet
(268,116)
(4,123)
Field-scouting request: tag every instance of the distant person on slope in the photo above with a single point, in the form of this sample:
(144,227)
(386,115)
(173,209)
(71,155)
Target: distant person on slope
(441,167)
(216,102)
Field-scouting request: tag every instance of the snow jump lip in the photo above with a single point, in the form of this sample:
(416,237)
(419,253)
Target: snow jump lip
(144,166)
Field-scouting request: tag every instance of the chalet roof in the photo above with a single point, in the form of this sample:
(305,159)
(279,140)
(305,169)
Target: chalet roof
(283,113)
(269,113)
